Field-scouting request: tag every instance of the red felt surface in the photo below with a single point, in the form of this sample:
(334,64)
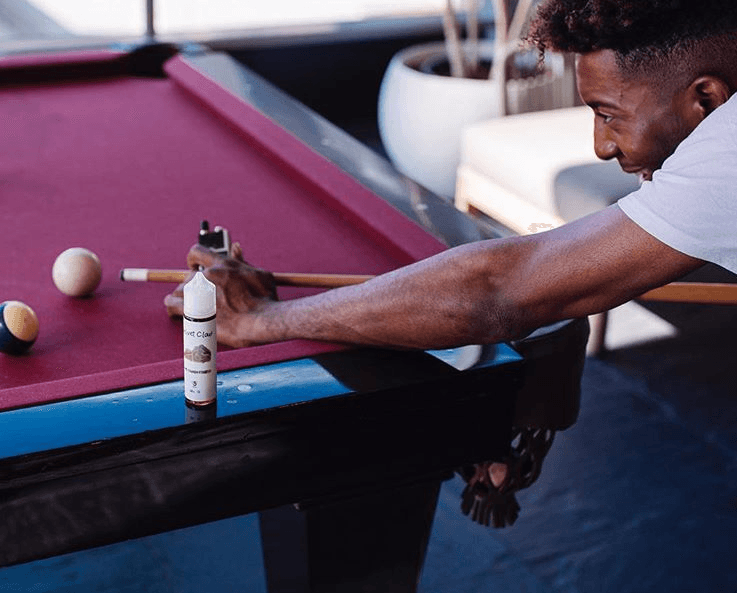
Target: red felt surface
(128,167)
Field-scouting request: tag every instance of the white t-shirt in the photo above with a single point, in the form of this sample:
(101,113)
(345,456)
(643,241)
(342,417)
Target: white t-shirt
(691,202)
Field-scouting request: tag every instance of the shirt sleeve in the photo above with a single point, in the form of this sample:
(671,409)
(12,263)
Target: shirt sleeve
(691,202)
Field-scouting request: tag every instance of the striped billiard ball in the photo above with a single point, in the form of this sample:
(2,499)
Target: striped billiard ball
(18,327)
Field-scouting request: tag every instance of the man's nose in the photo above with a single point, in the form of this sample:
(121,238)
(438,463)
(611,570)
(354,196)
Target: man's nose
(604,146)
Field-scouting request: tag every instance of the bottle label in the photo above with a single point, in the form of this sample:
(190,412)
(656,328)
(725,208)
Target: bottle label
(200,371)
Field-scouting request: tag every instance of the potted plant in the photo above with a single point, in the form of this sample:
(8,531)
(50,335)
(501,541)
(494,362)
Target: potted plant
(431,92)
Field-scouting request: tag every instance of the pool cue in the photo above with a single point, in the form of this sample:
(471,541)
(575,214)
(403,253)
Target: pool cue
(693,292)
(683,292)
(281,278)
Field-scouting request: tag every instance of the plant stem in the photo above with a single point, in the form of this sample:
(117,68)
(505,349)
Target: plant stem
(452,42)
(498,71)
(472,33)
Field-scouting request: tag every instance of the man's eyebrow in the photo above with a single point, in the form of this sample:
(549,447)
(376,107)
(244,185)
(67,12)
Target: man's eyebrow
(599,104)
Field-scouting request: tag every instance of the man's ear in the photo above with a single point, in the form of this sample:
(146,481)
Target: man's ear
(706,93)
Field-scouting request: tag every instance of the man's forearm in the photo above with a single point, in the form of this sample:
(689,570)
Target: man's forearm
(445,301)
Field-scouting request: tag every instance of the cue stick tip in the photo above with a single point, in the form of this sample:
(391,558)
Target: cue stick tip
(134,275)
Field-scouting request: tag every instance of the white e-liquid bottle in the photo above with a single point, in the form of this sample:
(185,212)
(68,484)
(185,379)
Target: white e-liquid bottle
(200,341)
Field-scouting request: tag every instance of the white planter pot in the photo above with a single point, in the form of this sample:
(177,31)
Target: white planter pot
(421,116)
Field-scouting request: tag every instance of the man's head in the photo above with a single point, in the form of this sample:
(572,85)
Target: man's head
(650,69)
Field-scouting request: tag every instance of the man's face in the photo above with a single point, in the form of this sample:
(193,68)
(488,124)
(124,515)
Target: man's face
(636,122)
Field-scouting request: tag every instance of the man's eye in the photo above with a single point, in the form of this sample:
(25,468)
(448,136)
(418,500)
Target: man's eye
(605,117)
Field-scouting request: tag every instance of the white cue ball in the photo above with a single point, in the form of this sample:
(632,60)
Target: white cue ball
(77,272)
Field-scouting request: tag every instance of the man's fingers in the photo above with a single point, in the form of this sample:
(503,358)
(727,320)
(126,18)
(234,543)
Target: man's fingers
(236,252)
(174,305)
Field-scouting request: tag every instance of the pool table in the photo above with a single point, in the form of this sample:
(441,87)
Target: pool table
(341,450)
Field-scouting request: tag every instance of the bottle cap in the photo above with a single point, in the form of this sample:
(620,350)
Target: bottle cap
(200,297)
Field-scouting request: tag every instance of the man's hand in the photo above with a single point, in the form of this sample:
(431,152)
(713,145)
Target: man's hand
(241,289)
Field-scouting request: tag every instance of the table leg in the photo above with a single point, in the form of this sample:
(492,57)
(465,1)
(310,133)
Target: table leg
(374,542)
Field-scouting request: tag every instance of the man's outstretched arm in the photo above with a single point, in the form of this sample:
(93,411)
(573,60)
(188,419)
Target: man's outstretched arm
(482,292)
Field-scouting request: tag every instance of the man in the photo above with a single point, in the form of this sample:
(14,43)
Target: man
(657,74)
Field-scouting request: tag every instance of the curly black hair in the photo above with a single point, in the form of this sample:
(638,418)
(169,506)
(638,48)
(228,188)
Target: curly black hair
(642,33)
